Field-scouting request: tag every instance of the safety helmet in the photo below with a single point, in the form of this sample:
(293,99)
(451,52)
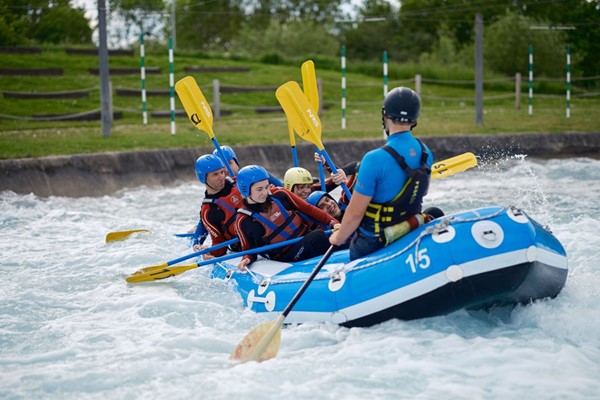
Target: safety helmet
(248,175)
(229,154)
(315,197)
(207,163)
(296,176)
(402,104)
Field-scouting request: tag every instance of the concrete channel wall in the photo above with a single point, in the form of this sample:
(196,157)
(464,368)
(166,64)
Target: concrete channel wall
(105,173)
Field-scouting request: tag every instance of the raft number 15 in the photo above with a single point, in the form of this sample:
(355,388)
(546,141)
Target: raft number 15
(421,259)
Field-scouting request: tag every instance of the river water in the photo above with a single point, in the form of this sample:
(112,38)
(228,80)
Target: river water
(72,328)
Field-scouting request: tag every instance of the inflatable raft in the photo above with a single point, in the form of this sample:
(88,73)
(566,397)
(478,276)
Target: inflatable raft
(478,259)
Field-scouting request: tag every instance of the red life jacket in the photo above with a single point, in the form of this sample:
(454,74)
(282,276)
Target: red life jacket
(279,224)
(228,205)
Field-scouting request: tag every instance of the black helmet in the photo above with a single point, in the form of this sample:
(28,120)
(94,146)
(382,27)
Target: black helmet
(402,104)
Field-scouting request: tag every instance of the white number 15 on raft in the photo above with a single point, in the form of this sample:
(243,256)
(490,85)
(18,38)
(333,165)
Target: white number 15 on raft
(421,260)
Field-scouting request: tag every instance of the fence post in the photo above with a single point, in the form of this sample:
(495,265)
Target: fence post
(479,69)
(418,84)
(216,99)
(518,90)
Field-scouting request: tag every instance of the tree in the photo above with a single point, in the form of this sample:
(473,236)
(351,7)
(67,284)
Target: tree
(507,41)
(208,25)
(43,21)
(51,26)
(137,16)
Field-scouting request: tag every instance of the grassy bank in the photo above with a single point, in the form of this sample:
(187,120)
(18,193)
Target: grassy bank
(448,109)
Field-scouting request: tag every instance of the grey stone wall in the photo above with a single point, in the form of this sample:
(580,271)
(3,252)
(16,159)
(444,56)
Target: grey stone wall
(105,173)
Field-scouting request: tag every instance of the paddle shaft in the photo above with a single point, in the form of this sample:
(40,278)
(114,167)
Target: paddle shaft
(203,251)
(304,286)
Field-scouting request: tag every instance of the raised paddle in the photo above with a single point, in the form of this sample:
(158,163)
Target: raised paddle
(451,166)
(306,122)
(198,110)
(262,342)
(163,271)
(311,91)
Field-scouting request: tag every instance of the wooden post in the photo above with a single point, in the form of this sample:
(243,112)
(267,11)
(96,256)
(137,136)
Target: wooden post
(216,99)
(518,90)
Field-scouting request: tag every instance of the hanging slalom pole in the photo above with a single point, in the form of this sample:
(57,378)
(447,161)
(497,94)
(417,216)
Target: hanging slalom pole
(171,86)
(343,87)
(385,81)
(530,80)
(143,76)
(568,82)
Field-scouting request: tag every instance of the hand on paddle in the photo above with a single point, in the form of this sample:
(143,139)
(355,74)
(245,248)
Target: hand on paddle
(338,178)
(198,247)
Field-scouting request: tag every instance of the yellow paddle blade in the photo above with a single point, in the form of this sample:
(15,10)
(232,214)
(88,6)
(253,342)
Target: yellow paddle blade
(261,343)
(120,235)
(154,274)
(309,83)
(299,113)
(453,165)
(195,104)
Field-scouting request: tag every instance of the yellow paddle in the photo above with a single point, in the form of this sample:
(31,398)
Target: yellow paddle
(305,121)
(451,166)
(121,235)
(262,342)
(311,91)
(198,110)
(164,270)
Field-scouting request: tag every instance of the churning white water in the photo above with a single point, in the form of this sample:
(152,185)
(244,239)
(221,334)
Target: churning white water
(72,328)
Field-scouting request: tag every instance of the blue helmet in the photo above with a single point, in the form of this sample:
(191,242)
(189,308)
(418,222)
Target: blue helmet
(248,175)
(207,163)
(229,154)
(316,196)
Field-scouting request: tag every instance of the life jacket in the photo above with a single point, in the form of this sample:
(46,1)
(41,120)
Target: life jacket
(279,224)
(228,204)
(406,203)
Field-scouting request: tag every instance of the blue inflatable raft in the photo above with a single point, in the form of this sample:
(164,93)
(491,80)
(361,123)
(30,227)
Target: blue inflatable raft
(478,259)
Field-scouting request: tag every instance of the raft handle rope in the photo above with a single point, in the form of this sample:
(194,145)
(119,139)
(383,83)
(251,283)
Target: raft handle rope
(437,228)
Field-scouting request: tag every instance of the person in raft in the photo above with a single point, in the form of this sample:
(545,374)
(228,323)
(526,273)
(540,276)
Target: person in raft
(271,215)
(221,201)
(392,180)
(299,181)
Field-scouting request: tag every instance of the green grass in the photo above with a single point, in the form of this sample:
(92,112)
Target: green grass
(447,109)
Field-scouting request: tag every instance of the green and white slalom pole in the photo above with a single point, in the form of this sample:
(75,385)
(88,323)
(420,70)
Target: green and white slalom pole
(385,80)
(530,80)
(568,82)
(343,87)
(143,76)
(172,86)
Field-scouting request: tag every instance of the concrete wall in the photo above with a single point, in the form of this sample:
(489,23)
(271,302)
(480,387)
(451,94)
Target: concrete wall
(105,173)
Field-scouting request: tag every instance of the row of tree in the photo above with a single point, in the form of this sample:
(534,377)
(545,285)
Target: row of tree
(439,31)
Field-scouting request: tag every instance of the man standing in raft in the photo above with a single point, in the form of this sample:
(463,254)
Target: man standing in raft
(392,180)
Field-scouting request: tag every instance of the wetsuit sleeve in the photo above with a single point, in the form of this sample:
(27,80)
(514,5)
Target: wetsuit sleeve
(250,234)
(212,219)
(296,203)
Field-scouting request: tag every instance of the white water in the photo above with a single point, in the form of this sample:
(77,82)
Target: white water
(71,328)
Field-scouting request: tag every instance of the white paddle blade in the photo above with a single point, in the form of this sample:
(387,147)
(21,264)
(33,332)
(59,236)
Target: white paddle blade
(261,343)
